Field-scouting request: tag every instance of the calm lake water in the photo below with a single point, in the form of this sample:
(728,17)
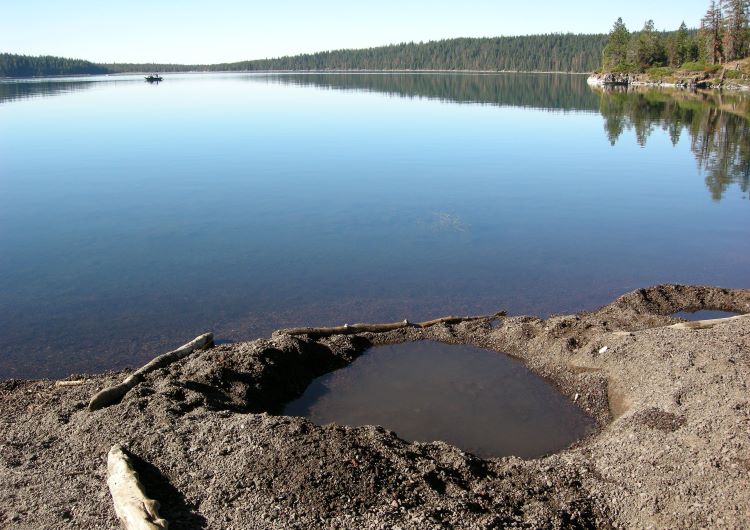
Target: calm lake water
(138,216)
(479,400)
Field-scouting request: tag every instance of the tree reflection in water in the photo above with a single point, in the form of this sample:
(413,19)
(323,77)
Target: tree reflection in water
(717,123)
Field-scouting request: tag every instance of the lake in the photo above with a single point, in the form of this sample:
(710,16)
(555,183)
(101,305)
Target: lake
(137,216)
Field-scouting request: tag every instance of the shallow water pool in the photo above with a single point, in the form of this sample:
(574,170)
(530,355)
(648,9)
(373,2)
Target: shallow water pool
(479,400)
(705,314)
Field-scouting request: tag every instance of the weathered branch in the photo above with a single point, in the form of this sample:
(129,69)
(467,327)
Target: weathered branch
(114,394)
(706,324)
(352,329)
(134,509)
(75,382)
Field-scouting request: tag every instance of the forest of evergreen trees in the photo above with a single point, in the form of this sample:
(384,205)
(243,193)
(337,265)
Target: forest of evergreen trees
(724,35)
(539,53)
(553,52)
(12,65)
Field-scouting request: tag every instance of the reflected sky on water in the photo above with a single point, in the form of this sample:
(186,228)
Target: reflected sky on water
(137,216)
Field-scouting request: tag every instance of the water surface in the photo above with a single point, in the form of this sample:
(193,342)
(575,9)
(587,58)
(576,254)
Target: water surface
(479,400)
(138,216)
(704,314)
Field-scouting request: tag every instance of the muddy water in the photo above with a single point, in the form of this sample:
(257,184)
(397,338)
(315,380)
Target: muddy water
(481,401)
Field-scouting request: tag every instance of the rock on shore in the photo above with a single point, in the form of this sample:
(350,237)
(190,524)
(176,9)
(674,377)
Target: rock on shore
(609,79)
(723,79)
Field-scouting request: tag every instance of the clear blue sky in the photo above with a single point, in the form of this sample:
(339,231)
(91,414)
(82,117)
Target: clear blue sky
(193,31)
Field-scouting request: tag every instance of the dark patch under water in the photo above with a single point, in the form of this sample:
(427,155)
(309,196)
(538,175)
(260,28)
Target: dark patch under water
(704,314)
(481,401)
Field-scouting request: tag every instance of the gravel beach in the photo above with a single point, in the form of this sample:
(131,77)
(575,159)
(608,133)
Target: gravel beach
(672,448)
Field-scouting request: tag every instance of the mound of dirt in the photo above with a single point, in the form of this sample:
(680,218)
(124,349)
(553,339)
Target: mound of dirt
(205,435)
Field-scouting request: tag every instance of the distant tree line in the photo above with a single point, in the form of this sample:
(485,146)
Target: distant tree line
(539,53)
(125,68)
(724,35)
(12,65)
(531,53)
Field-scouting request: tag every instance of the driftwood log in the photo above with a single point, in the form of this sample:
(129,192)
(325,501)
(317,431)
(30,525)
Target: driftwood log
(114,394)
(352,329)
(134,509)
(76,382)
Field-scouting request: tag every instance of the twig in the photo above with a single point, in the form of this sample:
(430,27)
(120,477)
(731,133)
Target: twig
(352,329)
(76,382)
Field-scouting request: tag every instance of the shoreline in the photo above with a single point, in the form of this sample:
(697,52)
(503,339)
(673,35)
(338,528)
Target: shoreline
(726,78)
(397,71)
(605,80)
(670,400)
(595,81)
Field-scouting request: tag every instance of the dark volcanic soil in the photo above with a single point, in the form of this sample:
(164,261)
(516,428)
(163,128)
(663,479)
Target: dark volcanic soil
(673,449)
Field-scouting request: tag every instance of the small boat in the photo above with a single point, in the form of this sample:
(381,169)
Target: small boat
(154,78)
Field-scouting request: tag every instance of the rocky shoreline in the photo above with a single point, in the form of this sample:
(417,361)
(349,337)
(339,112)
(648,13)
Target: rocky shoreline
(672,447)
(692,82)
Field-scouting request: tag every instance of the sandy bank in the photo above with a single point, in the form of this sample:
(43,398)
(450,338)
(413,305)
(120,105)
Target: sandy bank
(672,450)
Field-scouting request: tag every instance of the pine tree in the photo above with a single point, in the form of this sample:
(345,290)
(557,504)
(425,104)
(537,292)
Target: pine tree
(647,48)
(712,31)
(680,47)
(683,44)
(670,44)
(736,28)
(616,50)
